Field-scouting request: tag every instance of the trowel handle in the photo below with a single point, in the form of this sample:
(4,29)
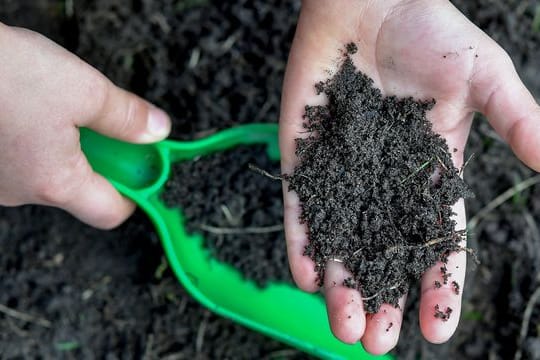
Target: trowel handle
(127,166)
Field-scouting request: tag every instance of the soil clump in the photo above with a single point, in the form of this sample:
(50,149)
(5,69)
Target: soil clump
(367,187)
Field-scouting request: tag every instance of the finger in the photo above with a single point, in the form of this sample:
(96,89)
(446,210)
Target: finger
(302,267)
(499,93)
(89,197)
(125,116)
(383,328)
(100,205)
(440,303)
(344,305)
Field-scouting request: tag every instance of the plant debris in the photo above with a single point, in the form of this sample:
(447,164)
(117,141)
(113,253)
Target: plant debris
(367,185)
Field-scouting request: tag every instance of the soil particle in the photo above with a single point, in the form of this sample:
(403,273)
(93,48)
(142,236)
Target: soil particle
(437,284)
(456,287)
(238,211)
(445,274)
(443,315)
(389,327)
(365,181)
(351,48)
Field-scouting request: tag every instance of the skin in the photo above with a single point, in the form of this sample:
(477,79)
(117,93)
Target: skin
(425,49)
(422,48)
(46,94)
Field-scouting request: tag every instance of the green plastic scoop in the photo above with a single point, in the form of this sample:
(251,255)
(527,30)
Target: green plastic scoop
(280,310)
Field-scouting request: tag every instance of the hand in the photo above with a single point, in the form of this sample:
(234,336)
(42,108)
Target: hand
(425,49)
(46,93)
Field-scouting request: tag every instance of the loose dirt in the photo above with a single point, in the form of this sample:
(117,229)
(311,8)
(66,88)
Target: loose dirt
(238,211)
(376,186)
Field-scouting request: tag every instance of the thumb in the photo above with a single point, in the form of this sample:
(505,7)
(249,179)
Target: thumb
(125,116)
(499,93)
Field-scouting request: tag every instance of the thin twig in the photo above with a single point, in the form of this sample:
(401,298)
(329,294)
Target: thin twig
(471,252)
(281,354)
(264,172)
(148,350)
(526,320)
(227,213)
(424,245)
(17,330)
(442,164)
(247,230)
(175,356)
(24,317)
(422,167)
(535,234)
(200,334)
(465,164)
(501,199)
(380,292)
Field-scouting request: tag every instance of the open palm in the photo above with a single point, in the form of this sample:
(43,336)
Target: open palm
(421,48)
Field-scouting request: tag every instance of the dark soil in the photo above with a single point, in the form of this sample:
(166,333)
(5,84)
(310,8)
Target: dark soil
(238,211)
(92,294)
(135,307)
(366,184)
(210,64)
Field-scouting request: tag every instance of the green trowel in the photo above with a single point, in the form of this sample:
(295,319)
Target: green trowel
(280,310)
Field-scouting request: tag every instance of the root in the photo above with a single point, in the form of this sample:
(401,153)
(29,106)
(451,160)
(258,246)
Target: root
(262,172)
(25,317)
(378,293)
(235,231)
(421,246)
(501,199)
(525,322)
(420,168)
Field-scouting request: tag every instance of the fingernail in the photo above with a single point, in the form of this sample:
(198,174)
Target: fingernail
(159,124)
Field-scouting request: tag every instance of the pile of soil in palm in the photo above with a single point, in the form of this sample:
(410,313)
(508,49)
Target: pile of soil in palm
(238,211)
(367,188)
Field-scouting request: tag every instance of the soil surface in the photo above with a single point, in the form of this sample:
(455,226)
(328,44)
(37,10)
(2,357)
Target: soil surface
(111,295)
(367,187)
(238,211)
(210,64)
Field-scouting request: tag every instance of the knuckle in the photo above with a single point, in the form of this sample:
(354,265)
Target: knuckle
(133,118)
(97,89)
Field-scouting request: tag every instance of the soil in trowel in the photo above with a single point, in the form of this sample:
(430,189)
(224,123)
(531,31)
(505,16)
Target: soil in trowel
(238,211)
(366,183)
